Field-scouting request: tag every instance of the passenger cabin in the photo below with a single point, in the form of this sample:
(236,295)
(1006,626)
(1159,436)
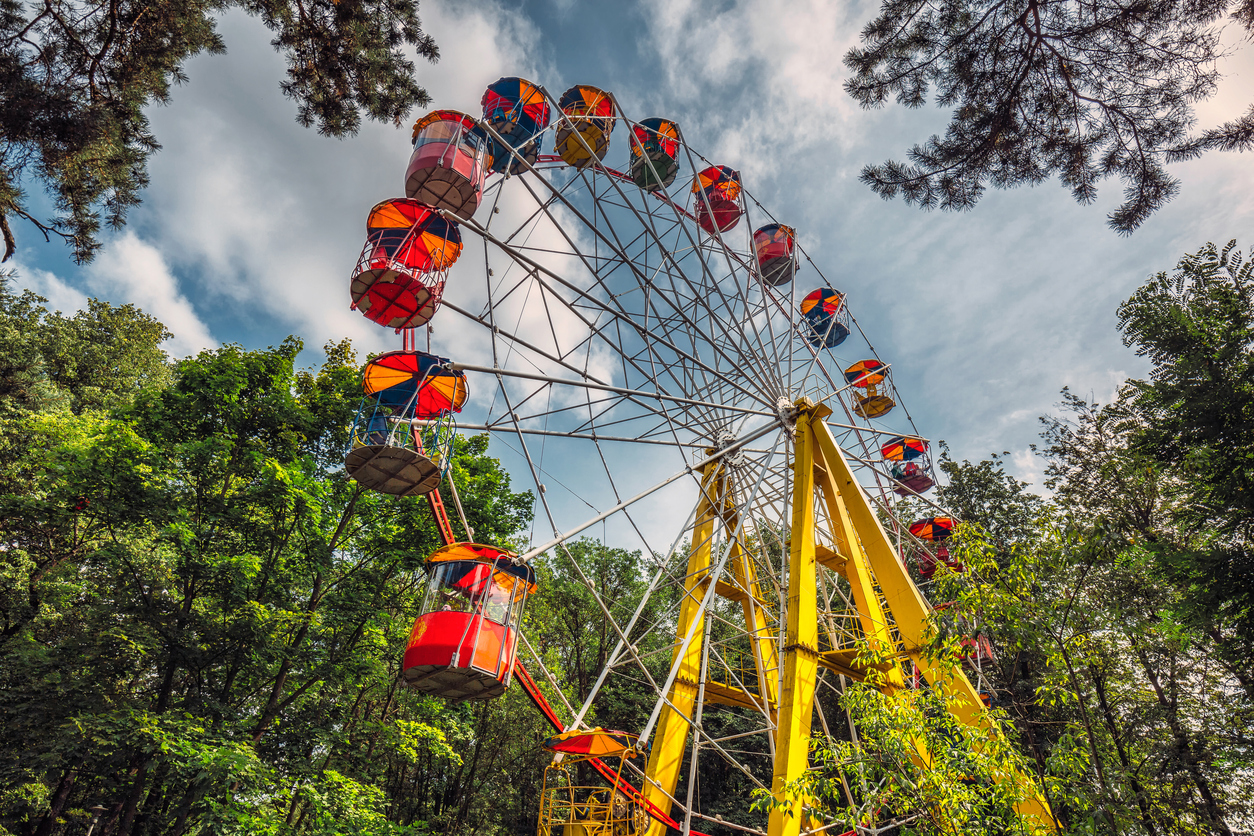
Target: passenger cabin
(584,133)
(827,319)
(654,153)
(873,388)
(717,191)
(402,437)
(400,274)
(570,805)
(775,247)
(447,167)
(463,641)
(936,530)
(517,110)
(910,464)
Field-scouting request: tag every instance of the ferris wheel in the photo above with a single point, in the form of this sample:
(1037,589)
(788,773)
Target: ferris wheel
(656,355)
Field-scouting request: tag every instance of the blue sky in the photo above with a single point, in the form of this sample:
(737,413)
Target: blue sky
(252,224)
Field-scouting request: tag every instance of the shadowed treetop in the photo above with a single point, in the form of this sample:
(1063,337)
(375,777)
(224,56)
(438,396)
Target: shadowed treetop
(1082,90)
(75,78)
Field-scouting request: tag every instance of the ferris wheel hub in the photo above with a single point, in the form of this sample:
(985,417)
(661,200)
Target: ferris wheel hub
(725,440)
(787,412)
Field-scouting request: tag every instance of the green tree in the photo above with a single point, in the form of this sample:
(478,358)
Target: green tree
(1083,91)
(1119,707)
(25,382)
(1194,420)
(985,495)
(75,81)
(960,789)
(203,617)
(96,359)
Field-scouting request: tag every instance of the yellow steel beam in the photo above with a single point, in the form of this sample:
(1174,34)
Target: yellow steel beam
(720,693)
(876,626)
(758,625)
(671,735)
(796,700)
(903,600)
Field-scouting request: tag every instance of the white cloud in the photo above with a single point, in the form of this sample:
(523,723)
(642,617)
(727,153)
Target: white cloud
(270,216)
(61,296)
(985,316)
(127,269)
(1030,468)
(758,82)
(131,269)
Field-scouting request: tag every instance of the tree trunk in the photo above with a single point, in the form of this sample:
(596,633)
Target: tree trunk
(1184,745)
(62,794)
(131,805)
(1099,683)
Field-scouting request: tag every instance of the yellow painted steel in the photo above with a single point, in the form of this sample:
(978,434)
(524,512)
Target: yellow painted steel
(876,627)
(904,603)
(662,773)
(757,624)
(801,638)
(670,740)
(883,592)
(745,590)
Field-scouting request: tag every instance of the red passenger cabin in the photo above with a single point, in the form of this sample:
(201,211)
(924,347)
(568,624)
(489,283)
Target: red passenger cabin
(447,167)
(462,645)
(718,198)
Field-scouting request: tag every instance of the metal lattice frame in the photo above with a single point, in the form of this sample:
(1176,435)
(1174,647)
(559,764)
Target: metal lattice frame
(626,340)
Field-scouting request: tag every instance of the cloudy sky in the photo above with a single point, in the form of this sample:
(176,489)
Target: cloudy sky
(252,224)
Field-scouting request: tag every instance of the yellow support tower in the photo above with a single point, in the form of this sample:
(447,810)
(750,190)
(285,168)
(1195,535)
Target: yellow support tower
(670,739)
(886,609)
(801,642)
(905,609)
(672,728)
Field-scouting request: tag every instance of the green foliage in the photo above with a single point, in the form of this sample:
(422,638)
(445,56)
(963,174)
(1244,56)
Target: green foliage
(202,618)
(568,621)
(1194,421)
(75,81)
(1117,704)
(961,788)
(96,359)
(1078,90)
(985,495)
(913,762)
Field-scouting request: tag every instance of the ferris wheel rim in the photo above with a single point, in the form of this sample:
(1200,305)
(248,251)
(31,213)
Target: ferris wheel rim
(701,400)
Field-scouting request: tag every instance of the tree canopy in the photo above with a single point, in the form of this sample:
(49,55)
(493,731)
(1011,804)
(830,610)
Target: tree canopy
(1116,608)
(1079,90)
(202,616)
(75,79)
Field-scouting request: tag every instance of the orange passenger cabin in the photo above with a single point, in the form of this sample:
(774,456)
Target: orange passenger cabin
(463,642)
(827,318)
(937,530)
(872,386)
(447,167)
(717,191)
(403,436)
(976,650)
(517,111)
